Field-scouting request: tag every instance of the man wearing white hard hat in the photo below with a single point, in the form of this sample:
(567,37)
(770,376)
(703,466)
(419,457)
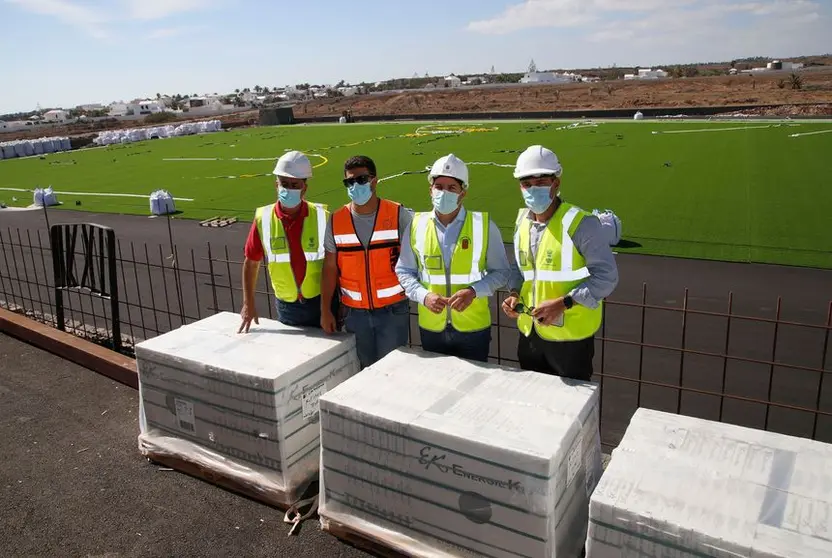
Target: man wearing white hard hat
(289,236)
(452,261)
(564,268)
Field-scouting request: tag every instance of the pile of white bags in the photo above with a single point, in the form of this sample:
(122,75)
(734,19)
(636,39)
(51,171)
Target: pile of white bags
(132,135)
(27,148)
(161,203)
(611,225)
(639,116)
(45,197)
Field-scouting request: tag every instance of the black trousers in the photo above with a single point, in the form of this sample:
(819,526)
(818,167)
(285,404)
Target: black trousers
(570,359)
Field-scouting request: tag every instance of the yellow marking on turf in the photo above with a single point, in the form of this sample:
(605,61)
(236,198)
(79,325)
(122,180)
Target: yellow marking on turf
(322,163)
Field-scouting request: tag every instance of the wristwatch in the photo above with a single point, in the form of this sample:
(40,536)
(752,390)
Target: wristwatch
(568,302)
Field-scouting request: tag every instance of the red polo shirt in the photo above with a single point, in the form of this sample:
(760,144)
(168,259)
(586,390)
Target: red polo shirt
(293,225)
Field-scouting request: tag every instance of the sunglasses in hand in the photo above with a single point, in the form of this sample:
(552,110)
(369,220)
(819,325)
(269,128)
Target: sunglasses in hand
(522,308)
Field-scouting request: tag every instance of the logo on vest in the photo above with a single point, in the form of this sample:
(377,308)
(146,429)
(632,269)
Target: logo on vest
(549,257)
(465,243)
(311,243)
(278,243)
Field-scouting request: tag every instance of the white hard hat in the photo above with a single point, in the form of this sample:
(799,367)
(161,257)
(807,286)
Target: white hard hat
(293,164)
(537,160)
(450,165)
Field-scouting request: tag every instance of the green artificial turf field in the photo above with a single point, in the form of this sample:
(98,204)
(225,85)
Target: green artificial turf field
(742,191)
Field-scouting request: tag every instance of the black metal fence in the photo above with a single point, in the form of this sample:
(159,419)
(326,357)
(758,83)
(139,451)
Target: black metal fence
(762,372)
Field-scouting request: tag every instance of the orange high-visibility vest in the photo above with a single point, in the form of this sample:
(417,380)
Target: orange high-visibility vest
(367,276)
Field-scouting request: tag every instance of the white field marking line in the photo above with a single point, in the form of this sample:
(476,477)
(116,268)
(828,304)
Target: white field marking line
(405,173)
(811,133)
(427,169)
(220,159)
(713,130)
(493,164)
(108,194)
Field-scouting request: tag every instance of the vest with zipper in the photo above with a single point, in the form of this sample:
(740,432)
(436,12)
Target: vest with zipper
(276,251)
(467,266)
(367,276)
(555,269)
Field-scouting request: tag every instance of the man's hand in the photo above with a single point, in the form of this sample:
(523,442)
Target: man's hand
(328,322)
(248,313)
(547,313)
(462,299)
(508,306)
(435,303)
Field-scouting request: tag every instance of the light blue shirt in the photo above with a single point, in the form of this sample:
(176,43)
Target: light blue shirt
(497,267)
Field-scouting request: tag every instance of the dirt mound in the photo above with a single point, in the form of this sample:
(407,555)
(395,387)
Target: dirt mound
(744,89)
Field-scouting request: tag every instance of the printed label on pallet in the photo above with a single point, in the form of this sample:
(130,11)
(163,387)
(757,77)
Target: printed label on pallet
(185,415)
(309,401)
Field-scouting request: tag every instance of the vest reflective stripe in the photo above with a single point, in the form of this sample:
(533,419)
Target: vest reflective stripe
(279,260)
(367,276)
(467,266)
(546,280)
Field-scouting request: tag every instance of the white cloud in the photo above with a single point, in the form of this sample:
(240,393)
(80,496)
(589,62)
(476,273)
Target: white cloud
(83,17)
(604,15)
(160,9)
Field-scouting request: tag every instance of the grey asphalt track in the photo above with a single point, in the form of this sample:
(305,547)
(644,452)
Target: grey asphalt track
(73,484)
(806,294)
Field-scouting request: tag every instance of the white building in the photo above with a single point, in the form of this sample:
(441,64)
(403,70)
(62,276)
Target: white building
(55,115)
(452,81)
(549,77)
(146,107)
(348,91)
(90,107)
(118,109)
(647,73)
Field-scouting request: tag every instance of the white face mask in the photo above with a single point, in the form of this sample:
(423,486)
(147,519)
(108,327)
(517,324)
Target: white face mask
(444,202)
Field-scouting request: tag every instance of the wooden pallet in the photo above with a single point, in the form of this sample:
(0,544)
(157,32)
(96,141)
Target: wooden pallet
(274,498)
(218,222)
(361,541)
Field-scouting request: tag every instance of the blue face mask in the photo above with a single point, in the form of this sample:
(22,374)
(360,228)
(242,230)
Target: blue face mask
(444,202)
(538,198)
(360,193)
(289,199)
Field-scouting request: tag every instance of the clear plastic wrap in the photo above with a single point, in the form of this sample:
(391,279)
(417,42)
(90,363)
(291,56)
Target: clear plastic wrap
(242,408)
(436,456)
(689,488)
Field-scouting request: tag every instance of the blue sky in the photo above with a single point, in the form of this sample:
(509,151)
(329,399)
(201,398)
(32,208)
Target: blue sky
(68,52)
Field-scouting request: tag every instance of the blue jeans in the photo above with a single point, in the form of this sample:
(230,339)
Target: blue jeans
(305,313)
(378,332)
(469,345)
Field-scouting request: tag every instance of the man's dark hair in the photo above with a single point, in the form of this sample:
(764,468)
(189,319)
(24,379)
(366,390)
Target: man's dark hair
(360,161)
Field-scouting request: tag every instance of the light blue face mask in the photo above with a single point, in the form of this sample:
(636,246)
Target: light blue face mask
(360,193)
(444,202)
(289,199)
(538,198)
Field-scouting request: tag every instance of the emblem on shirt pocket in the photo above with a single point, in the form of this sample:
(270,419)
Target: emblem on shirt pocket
(465,243)
(433,263)
(278,243)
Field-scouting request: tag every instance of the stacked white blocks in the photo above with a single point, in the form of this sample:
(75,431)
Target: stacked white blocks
(437,456)
(683,487)
(242,405)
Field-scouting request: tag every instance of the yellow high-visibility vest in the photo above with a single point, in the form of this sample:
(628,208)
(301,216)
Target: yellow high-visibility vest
(556,269)
(276,250)
(468,262)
